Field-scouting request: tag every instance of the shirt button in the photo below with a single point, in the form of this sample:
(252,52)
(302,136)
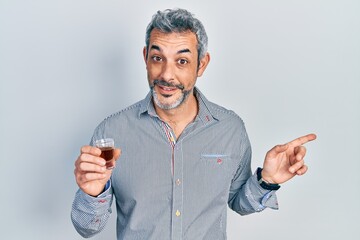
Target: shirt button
(178,182)
(177,213)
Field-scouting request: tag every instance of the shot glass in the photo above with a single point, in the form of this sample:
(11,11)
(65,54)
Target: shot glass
(106,146)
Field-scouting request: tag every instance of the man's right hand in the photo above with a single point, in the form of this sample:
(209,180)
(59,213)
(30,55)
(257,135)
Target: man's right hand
(90,171)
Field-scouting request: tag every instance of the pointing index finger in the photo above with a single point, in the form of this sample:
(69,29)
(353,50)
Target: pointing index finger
(302,140)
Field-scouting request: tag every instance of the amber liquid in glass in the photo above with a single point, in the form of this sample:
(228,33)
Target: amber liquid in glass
(107,153)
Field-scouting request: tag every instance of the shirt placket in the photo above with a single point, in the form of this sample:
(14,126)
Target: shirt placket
(177,191)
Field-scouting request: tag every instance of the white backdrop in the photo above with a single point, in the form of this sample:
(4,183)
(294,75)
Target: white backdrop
(286,67)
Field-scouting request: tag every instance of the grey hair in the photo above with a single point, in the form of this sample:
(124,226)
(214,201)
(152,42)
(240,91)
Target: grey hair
(178,20)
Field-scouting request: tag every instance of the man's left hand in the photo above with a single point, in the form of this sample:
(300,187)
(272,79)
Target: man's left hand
(283,162)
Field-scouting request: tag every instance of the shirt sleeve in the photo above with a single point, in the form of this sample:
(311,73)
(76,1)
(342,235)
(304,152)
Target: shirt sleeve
(246,196)
(90,214)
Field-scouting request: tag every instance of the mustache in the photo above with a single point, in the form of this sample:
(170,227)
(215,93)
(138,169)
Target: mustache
(167,84)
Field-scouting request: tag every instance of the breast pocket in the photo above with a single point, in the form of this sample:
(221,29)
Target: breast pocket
(214,174)
(218,165)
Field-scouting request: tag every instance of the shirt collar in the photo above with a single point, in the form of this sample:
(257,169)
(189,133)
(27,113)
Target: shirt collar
(205,115)
(147,106)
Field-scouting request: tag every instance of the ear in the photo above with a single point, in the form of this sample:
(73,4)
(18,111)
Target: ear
(203,64)
(144,54)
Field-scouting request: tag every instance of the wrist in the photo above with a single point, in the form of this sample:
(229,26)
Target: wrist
(264,183)
(266,177)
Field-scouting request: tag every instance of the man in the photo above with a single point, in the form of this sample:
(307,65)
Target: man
(183,158)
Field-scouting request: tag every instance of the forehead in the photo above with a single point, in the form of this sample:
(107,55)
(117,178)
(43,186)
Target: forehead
(173,40)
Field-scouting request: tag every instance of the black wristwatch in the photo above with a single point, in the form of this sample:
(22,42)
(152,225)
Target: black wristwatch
(264,184)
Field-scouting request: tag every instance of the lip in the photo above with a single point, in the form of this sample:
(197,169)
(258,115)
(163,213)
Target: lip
(166,90)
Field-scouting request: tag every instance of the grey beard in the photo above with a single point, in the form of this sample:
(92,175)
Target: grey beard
(177,103)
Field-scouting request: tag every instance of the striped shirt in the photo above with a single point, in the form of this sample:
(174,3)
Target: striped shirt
(168,188)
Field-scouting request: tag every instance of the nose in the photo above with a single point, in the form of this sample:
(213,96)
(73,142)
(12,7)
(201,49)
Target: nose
(167,72)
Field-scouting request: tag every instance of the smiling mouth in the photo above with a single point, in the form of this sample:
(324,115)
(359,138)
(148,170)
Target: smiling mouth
(166,91)
(167,86)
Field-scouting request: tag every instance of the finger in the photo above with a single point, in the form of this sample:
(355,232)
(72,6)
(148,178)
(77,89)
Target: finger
(90,150)
(117,153)
(296,167)
(277,149)
(302,140)
(90,159)
(302,170)
(90,167)
(300,153)
(88,177)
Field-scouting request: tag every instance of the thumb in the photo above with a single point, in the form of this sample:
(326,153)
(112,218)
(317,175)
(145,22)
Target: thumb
(117,153)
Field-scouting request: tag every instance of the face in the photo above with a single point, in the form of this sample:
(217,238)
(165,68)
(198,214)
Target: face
(172,67)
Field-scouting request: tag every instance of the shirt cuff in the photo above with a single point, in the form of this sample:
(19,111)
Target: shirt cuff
(106,189)
(106,194)
(262,198)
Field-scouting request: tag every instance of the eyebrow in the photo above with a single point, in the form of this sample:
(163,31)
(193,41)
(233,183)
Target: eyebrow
(156,47)
(186,50)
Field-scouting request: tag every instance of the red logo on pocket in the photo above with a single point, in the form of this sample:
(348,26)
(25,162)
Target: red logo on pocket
(219,161)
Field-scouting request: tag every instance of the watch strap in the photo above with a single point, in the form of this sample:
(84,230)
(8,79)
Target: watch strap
(264,184)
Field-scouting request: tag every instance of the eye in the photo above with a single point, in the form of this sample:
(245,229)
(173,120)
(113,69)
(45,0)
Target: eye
(156,58)
(183,61)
